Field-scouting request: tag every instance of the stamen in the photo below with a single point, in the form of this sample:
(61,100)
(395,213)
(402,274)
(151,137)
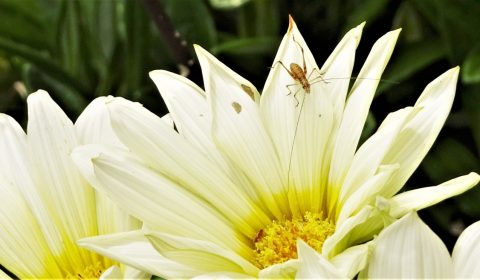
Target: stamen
(277,243)
(93,271)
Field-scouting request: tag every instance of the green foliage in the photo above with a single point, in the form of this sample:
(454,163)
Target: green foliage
(80,49)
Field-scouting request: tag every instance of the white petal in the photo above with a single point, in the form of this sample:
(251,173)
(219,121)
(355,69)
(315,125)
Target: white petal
(223,276)
(112,272)
(466,253)
(369,156)
(300,123)
(418,199)
(366,193)
(338,69)
(285,270)
(314,265)
(238,132)
(23,249)
(352,260)
(93,125)
(3,275)
(23,246)
(148,196)
(169,153)
(200,255)
(357,106)
(356,229)
(133,273)
(70,201)
(188,107)
(133,249)
(111,218)
(418,135)
(167,119)
(410,249)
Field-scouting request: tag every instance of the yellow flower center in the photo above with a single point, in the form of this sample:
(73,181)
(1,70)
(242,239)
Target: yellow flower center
(277,243)
(93,271)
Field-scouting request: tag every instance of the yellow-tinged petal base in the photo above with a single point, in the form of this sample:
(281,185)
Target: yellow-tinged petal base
(93,271)
(277,243)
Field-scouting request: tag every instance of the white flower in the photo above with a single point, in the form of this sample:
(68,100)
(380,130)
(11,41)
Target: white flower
(410,249)
(227,195)
(45,204)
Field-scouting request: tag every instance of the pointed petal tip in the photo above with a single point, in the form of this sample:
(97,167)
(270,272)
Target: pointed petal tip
(198,49)
(456,69)
(291,24)
(395,32)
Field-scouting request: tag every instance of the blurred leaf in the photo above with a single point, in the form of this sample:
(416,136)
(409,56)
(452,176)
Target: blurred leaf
(247,46)
(195,28)
(410,59)
(227,4)
(43,62)
(69,39)
(471,105)
(137,23)
(369,128)
(468,203)
(68,99)
(471,66)
(408,18)
(101,20)
(367,10)
(259,18)
(22,23)
(448,159)
(456,21)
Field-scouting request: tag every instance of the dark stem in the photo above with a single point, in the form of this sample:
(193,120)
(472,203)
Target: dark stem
(173,39)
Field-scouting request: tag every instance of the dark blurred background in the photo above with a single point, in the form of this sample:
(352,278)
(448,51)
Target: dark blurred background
(80,49)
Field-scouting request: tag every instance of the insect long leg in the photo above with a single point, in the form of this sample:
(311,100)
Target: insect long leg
(284,67)
(318,78)
(293,141)
(294,93)
(303,55)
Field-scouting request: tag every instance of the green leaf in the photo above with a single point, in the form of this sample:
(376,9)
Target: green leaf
(468,202)
(369,127)
(247,46)
(44,62)
(260,18)
(448,159)
(471,66)
(411,22)
(367,10)
(410,59)
(138,30)
(457,23)
(69,40)
(22,22)
(197,27)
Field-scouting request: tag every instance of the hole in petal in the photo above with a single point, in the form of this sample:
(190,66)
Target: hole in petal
(237,107)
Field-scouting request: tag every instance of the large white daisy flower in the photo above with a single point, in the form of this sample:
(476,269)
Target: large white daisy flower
(410,249)
(244,177)
(45,204)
